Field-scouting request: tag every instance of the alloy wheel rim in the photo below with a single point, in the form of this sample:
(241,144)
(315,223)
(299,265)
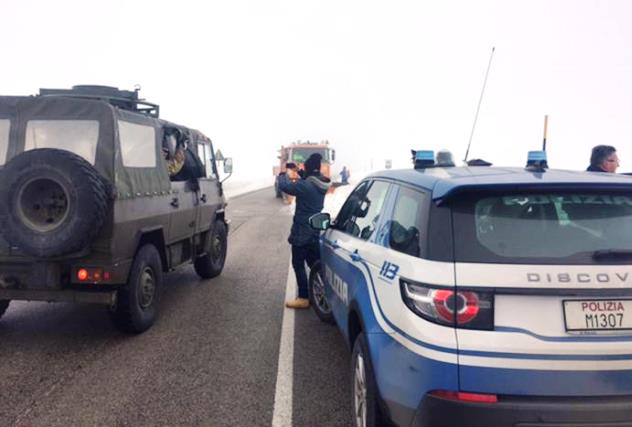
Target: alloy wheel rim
(359,392)
(319,295)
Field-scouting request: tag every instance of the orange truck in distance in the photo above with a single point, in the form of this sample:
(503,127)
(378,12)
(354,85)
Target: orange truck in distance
(297,153)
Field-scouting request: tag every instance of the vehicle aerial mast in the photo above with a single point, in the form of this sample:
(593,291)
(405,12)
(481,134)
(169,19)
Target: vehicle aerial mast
(480,100)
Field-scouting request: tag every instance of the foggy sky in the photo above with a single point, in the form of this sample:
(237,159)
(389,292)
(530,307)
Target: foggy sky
(374,78)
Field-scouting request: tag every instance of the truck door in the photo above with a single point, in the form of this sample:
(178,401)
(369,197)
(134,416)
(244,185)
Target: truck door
(185,188)
(209,201)
(184,205)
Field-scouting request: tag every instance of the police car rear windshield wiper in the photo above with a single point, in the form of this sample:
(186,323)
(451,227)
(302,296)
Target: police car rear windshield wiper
(613,254)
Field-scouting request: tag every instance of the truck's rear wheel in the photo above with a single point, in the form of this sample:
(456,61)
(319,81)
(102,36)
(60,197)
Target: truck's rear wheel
(212,262)
(4,304)
(136,306)
(52,202)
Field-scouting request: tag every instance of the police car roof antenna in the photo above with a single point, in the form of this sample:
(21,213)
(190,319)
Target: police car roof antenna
(546,126)
(491,56)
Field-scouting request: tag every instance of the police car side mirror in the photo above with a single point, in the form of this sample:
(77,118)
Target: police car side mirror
(320,221)
(228,165)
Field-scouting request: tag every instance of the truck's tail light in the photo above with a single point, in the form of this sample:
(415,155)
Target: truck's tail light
(82,274)
(465,397)
(460,308)
(92,275)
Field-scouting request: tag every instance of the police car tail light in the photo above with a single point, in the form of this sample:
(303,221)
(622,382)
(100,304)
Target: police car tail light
(465,397)
(461,308)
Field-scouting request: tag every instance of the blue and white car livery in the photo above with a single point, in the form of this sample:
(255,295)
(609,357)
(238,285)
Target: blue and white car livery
(485,296)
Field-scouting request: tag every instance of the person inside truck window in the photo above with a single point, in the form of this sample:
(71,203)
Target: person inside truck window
(192,167)
(176,164)
(173,152)
(183,163)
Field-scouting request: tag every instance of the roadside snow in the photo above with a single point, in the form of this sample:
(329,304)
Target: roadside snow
(234,188)
(335,200)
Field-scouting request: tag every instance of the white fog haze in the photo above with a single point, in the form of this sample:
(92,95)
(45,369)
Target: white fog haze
(146,280)
(374,78)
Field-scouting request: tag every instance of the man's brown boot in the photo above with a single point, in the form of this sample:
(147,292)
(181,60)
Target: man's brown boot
(297,303)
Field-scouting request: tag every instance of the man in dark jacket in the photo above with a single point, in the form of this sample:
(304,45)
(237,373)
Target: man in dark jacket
(603,159)
(310,192)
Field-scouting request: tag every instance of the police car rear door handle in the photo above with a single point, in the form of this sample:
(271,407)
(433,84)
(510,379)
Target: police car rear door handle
(344,247)
(175,202)
(332,243)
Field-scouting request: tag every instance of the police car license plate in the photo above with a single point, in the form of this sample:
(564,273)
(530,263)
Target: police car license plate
(598,315)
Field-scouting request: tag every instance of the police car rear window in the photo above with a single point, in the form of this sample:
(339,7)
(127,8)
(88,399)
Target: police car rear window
(543,228)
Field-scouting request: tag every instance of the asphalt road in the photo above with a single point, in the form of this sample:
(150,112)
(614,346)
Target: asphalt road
(210,360)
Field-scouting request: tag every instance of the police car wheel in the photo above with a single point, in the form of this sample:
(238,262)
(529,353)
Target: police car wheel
(4,304)
(136,306)
(364,395)
(317,297)
(212,262)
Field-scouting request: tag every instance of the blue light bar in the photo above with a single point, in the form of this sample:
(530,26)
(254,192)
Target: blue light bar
(536,160)
(536,156)
(424,155)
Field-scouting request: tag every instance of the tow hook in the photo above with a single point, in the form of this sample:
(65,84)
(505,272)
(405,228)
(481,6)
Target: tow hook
(112,305)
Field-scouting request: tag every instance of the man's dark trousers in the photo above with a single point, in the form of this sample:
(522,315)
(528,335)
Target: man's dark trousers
(301,254)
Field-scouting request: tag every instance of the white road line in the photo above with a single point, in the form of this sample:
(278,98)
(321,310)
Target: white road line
(282,415)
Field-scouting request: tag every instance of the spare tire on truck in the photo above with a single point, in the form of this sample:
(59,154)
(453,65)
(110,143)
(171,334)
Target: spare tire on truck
(52,202)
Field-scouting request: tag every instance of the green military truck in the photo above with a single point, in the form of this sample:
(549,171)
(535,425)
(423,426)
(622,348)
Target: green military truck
(89,211)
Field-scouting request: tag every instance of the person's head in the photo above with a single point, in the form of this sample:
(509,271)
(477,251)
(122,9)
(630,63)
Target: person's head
(444,158)
(312,164)
(605,158)
(169,143)
(179,156)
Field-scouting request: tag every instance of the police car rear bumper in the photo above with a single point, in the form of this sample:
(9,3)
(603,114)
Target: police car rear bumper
(526,412)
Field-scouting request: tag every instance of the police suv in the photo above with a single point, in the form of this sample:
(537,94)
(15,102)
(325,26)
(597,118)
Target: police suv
(483,296)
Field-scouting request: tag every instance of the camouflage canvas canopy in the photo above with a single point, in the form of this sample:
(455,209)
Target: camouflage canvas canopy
(124,146)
